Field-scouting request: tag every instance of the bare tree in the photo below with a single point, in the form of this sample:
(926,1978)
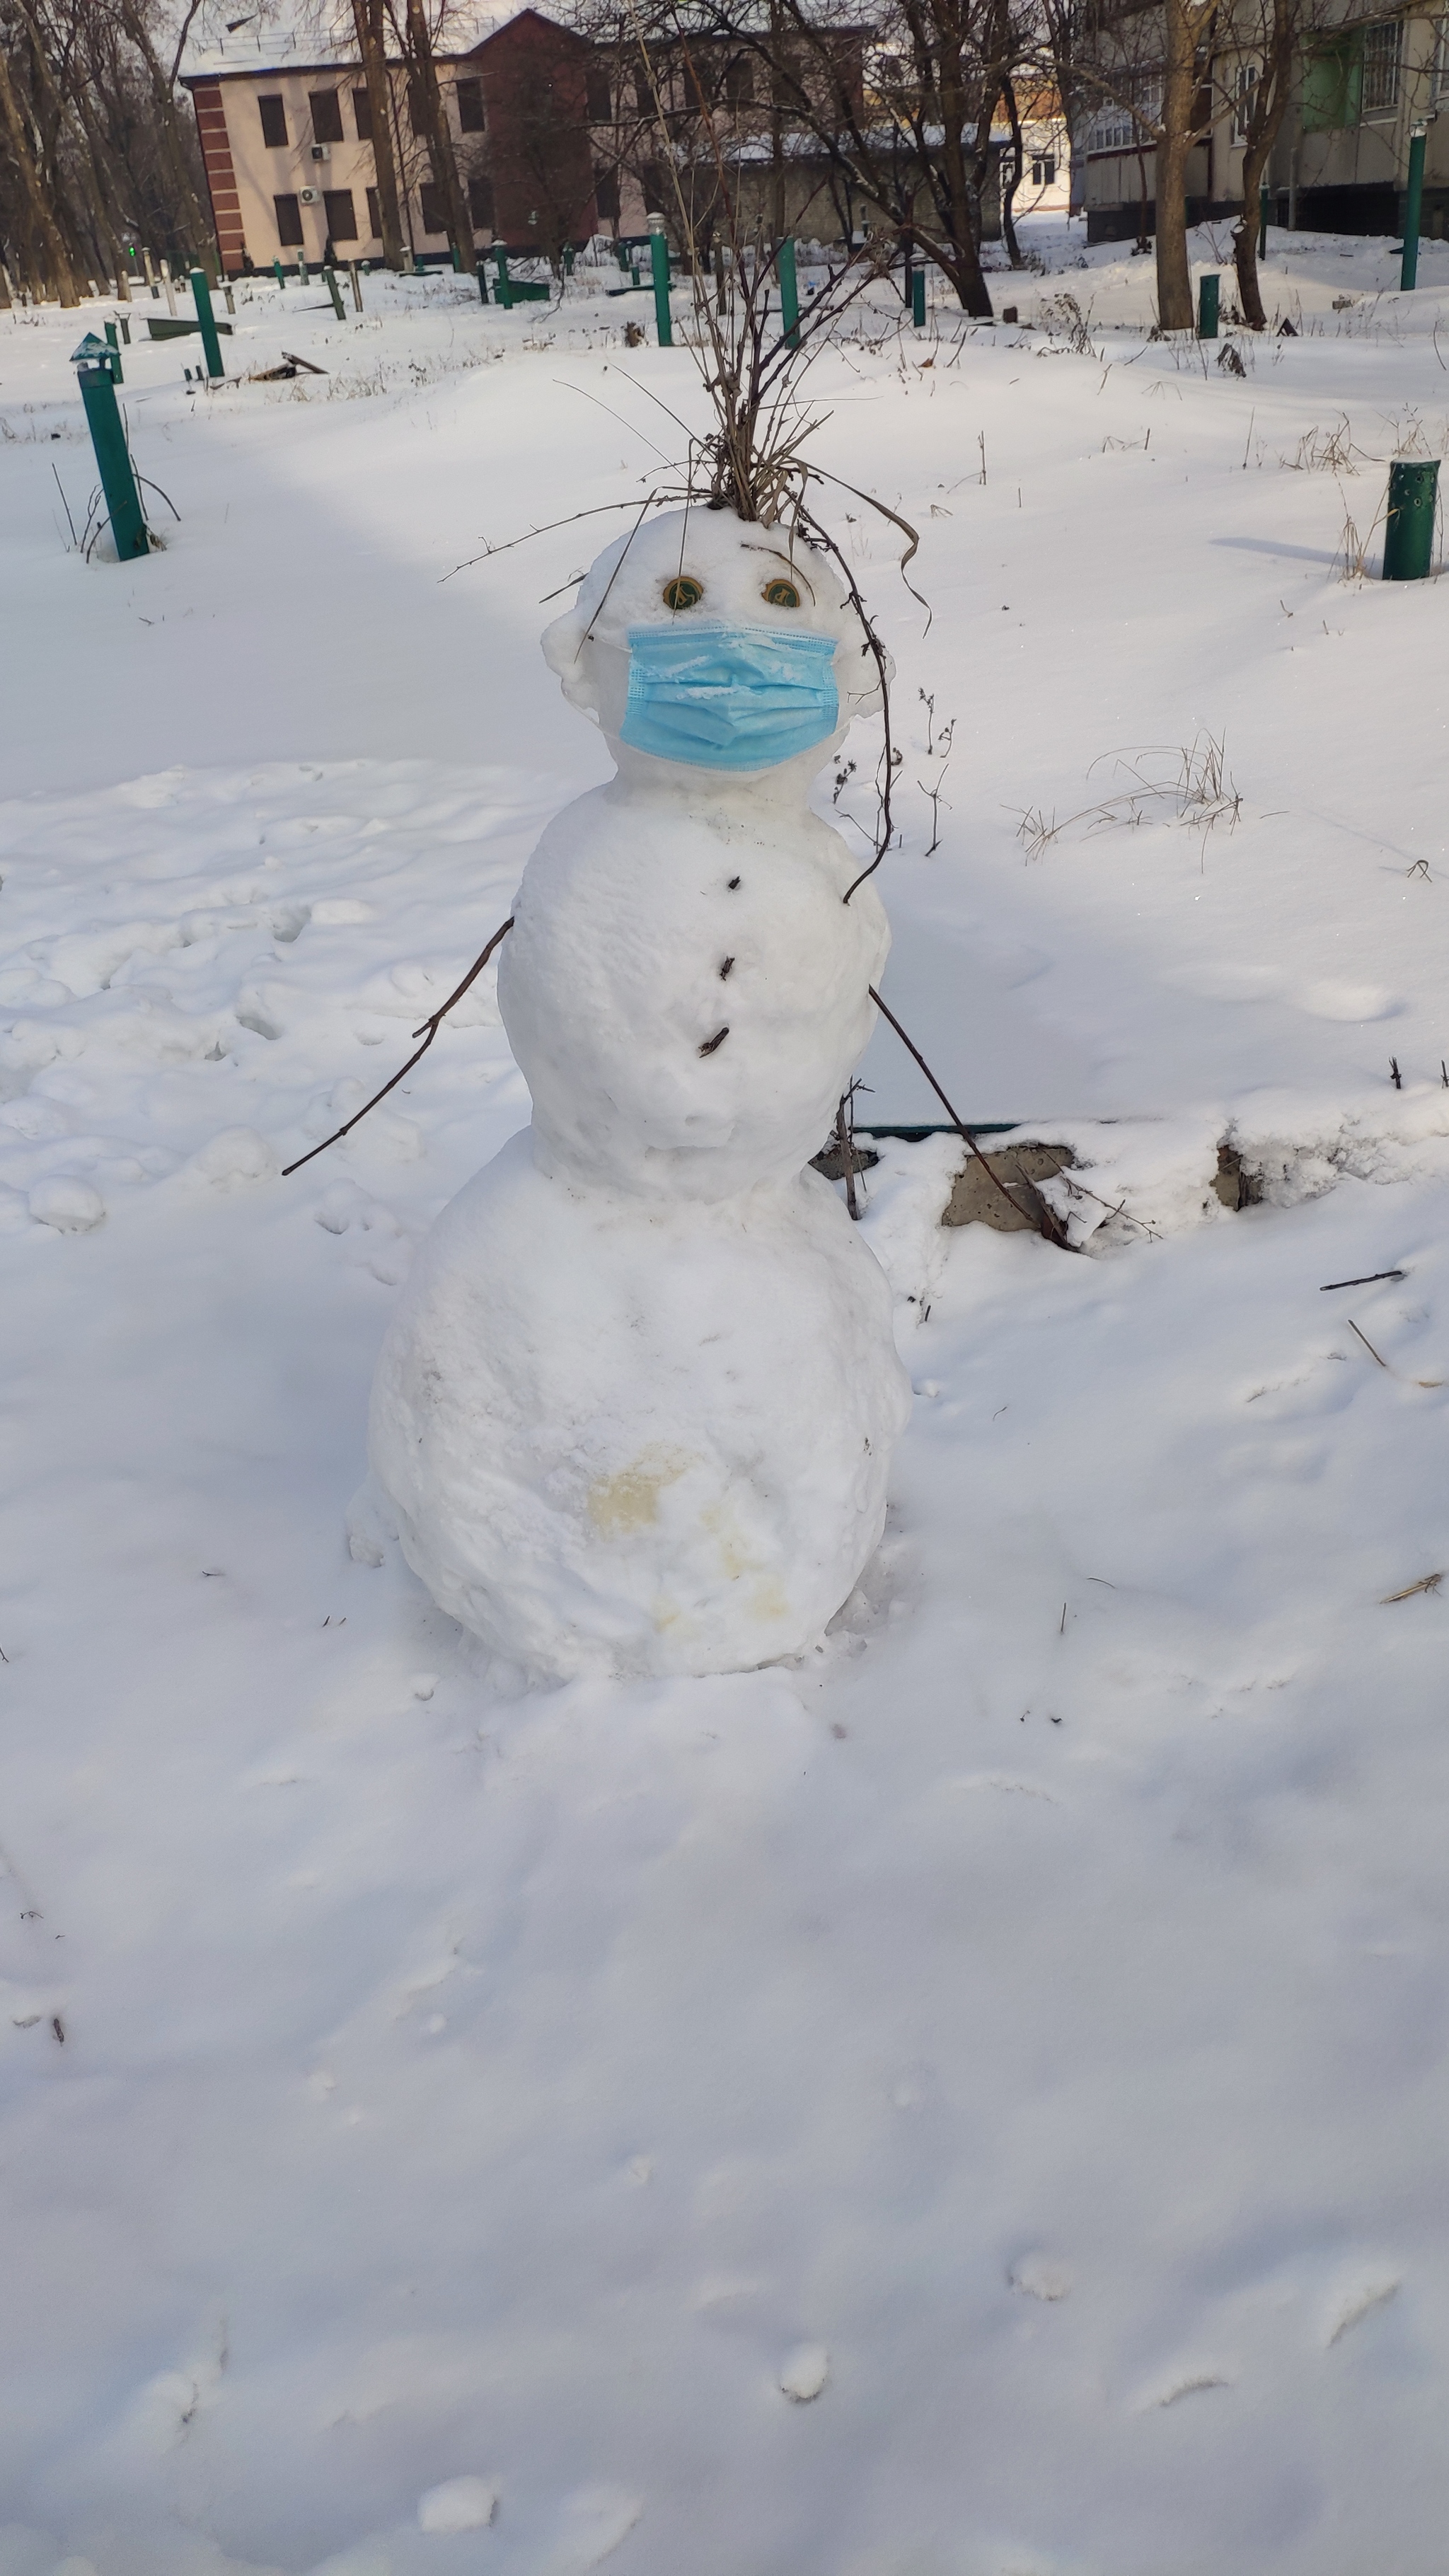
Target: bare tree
(415,38)
(1280,33)
(369,23)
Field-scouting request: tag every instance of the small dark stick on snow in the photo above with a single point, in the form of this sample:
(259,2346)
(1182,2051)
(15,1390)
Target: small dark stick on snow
(1366,1282)
(1368,1346)
(724,972)
(1394,1074)
(717,1040)
(58,2026)
(432,1026)
(847,1159)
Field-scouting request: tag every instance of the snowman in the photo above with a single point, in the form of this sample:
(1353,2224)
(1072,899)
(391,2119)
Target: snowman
(635,1410)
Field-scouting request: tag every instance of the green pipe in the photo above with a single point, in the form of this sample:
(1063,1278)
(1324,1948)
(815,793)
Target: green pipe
(1207,306)
(918,298)
(207,319)
(115,340)
(659,259)
(789,291)
(1409,532)
(335,291)
(281,274)
(113,463)
(1413,204)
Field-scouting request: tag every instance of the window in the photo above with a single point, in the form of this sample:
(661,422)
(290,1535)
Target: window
(740,82)
(1333,83)
(1114,128)
(362,115)
(1044,170)
(289,222)
(274,122)
(480,203)
(470,106)
(374,215)
(341,219)
(598,104)
(326,107)
(1382,48)
(435,207)
(417,109)
(1245,90)
(606,196)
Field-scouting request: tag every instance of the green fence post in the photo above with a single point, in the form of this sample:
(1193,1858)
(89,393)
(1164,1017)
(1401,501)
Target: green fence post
(1413,203)
(1409,533)
(482,277)
(1263,221)
(114,338)
(789,291)
(201,293)
(505,282)
(918,298)
(93,363)
(280,272)
(1207,306)
(302,277)
(335,291)
(659,261)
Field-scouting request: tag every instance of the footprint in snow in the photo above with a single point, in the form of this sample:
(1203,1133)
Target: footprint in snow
(459,2504)
(594,2521)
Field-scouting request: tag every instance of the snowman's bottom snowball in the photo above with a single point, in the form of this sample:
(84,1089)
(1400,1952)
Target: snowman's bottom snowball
(635,1437)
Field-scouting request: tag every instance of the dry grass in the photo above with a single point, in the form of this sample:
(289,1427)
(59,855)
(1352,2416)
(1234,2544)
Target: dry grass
(1192,785)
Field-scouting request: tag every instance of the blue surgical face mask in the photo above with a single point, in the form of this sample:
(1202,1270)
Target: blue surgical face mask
(728,697)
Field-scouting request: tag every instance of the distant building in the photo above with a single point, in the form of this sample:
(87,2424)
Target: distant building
(1341,161)
(556,140)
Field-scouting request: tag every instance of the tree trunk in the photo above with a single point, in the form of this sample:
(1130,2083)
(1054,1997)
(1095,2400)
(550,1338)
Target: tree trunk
(1008,194)
(195,222)
(1182,21)
(439,136)
(1265,124)
(43,222)
(367,18)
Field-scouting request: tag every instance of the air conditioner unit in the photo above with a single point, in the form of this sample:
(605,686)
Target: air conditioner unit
(307,196)
(321,151)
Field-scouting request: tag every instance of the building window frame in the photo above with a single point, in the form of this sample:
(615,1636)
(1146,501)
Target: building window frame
(272,109)
(1383,64)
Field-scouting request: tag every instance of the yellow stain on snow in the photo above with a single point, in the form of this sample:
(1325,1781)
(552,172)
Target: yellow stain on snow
(629,1500)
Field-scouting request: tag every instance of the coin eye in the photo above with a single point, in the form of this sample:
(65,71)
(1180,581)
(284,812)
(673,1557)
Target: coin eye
(781,594)
(683,592)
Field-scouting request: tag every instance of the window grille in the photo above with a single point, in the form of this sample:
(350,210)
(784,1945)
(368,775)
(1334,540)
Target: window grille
(1382,50)
(1245,91)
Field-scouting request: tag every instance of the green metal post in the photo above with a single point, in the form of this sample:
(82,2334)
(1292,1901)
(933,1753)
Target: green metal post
(505,283)
(302,277)
(1413,203)
(789,291)
(113,463)
(335,291)
(482,277)
(1263,221)
(918,298)
(457,260)
(1207,306)
(281,273)
(621,253)
(114,337)
(1409,534)
(209,341)
(659,261)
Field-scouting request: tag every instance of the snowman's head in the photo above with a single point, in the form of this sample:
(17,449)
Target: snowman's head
(706,642)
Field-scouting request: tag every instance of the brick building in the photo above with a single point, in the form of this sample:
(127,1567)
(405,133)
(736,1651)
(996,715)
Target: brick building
(556,140)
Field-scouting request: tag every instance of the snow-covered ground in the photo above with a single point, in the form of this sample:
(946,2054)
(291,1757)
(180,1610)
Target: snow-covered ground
(971,2104)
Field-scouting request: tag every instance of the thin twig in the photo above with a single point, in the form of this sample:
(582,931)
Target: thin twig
(1047,1220)
(432,1026)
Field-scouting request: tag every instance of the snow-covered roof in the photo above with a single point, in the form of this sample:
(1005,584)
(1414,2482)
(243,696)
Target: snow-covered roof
(309,35)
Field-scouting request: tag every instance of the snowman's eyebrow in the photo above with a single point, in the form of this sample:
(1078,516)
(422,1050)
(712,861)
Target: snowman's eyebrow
(788,561)
(613,577)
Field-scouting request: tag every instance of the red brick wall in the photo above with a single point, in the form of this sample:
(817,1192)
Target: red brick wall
(220,177)
(536,103)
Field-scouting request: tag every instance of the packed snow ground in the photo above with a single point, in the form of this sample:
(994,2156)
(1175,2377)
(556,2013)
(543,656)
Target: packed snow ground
(971,2104)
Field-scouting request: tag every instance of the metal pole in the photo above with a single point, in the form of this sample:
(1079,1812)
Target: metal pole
(113,463)
(356,284)
(281,274)
(1413,202)
(789,291)
(1409,529)
(114,337)
(1207,306)
(335,291)
(205,316)
(918,298)
(659,257)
